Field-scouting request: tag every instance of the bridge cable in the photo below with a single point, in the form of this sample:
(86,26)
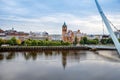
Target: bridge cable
(113,25)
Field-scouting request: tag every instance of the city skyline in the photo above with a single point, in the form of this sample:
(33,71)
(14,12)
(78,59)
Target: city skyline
(39,15)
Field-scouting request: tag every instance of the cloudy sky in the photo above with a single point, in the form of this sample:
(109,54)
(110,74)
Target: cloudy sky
(49,15)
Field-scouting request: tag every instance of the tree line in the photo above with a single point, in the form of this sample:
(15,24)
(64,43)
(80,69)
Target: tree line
(103,41)
(85,40)
(29,42)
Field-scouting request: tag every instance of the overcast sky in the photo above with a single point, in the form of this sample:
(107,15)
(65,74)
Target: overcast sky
(49,15)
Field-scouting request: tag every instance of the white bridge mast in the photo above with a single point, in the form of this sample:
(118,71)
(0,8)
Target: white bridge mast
(114,38)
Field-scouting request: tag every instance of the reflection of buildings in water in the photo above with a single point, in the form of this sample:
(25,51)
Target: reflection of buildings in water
(72,56)
(64,58)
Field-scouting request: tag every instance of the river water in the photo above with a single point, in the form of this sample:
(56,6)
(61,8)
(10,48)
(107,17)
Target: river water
(60,65)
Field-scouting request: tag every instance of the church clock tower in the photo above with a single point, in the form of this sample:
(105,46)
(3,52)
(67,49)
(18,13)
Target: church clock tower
(64,31)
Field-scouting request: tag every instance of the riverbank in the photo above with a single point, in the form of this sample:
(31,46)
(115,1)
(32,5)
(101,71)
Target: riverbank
(40,48)
(28,48)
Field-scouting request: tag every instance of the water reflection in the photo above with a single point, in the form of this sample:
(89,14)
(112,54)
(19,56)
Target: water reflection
(29,55)
(59,65)
(1,56)
(66,56)
(11,55)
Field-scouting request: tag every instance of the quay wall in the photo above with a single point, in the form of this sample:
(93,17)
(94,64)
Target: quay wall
(40,48)
(31,48)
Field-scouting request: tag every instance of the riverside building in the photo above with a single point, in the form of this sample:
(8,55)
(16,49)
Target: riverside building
(69,35)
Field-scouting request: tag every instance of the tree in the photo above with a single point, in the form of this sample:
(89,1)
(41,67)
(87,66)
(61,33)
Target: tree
(18,41)
(81,41)
(91,41)
(97,40)
(85,40)
(27,42)
(44,43)
(10,42)
(75,41)
(109,41)
(13,41)
(103,41)
(40,43)
(34,43)
(1,41)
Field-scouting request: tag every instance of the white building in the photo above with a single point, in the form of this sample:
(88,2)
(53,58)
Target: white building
(56,37)
(99,37)
(39,35)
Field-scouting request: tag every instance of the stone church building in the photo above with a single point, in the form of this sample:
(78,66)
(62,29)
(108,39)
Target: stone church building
(69,35)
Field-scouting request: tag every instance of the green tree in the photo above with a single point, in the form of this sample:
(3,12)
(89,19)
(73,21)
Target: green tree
(13,41)
(81,41)
(1,41)
(27,42)
(10,42)
(44,43)
(34,42)
(103,41)
(85,40)
(40,43)
(91,41)
(109,41)
(96,40)
(75,41)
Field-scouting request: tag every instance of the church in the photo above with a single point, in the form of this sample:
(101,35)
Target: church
(69,35)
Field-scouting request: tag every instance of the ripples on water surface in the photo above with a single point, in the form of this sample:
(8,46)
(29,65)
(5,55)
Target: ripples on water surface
(60,65)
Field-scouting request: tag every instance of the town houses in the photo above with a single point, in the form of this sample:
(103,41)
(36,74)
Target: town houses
(8,34)
(65,36)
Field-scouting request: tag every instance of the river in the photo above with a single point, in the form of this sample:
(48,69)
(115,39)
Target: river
(60,65)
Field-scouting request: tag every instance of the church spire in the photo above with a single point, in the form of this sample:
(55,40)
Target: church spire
(64,25)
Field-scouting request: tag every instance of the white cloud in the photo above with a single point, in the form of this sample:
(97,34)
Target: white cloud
(12,7)
(53,23)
